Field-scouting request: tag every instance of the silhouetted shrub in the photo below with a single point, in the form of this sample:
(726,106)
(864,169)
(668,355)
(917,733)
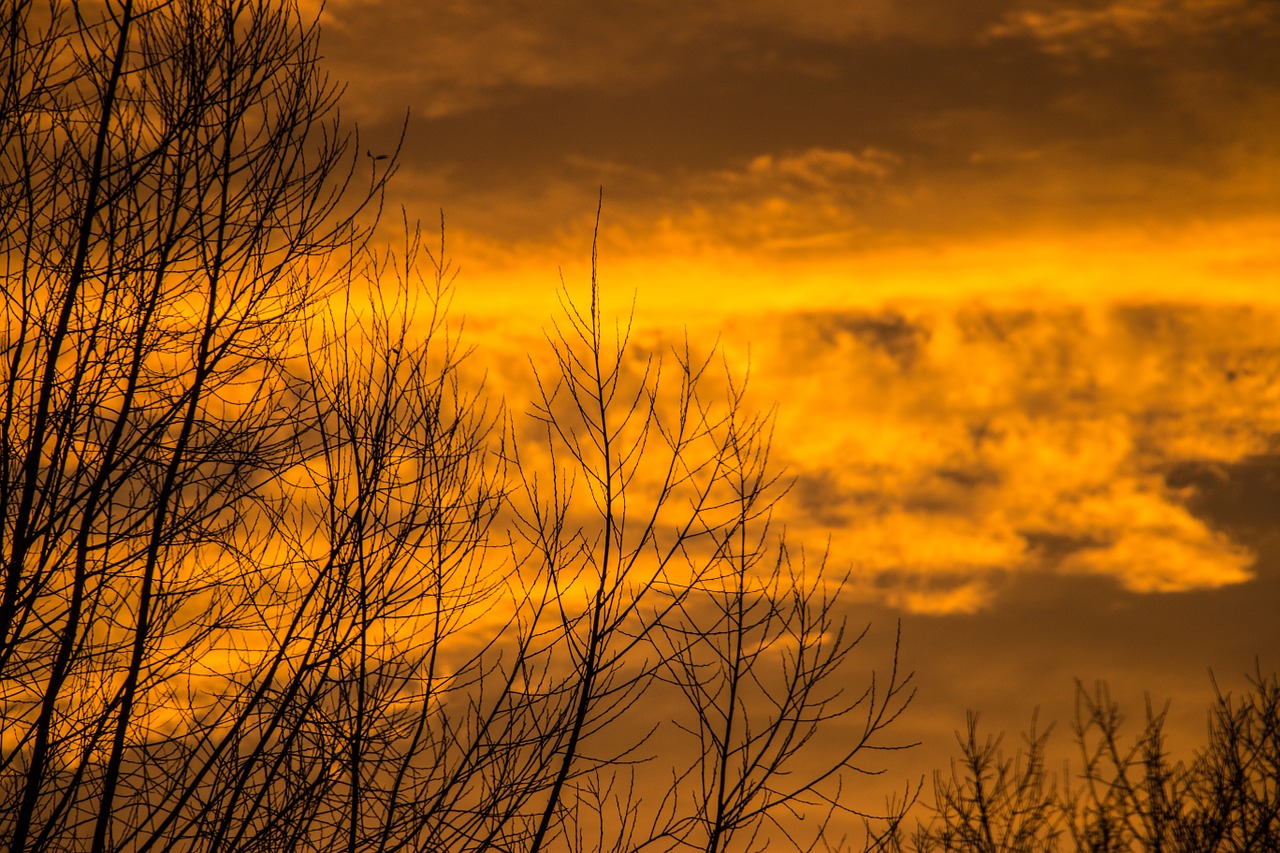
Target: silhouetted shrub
(1123,791)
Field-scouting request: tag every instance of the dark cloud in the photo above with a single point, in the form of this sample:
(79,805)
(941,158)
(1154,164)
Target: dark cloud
(887,332)
(817,494)
(1100,29)
(1241,498)
(989,127)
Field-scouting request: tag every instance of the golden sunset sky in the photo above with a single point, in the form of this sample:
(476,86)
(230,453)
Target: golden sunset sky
(1009,268)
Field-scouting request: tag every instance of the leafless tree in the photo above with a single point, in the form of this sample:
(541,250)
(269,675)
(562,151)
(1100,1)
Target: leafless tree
(273,574)
(994,802)
(174,183)
(651,527)
(1126,793)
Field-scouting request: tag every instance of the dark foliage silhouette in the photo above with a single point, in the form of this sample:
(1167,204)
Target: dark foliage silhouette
(273,577)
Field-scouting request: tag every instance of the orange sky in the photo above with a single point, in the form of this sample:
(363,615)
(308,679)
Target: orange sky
(1009,267)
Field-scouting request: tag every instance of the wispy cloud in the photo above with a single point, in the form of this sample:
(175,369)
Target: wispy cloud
(456,56)
(821,168)
(1100,30)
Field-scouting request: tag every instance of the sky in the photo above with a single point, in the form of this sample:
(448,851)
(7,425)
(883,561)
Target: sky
(1009,269)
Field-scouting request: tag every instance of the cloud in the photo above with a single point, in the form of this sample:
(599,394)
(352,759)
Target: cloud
(797,168)
(806,200)
(957,446)
(822,169)
(811,127)
(1101,30)
(455,56)
(947,444)
(841,20)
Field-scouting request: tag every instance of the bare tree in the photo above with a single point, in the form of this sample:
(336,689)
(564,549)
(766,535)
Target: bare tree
(761,652)
(174,182)
(1127,793)
(651,527)
(275,577)
(994,802)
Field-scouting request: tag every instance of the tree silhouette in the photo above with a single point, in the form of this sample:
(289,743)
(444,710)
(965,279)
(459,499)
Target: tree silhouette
(274,577)
(1126,793)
